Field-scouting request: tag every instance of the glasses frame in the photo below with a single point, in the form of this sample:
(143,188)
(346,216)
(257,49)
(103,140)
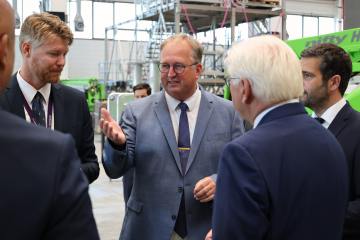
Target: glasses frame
(229,79)
(183,66)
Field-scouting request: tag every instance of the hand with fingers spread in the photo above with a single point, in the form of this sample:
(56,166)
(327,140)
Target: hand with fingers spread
(204,190)
(111,128)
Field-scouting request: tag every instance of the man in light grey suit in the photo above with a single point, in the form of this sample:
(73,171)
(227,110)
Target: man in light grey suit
(170,200)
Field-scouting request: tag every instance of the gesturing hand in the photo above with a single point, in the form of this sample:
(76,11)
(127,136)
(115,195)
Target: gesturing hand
(111,128)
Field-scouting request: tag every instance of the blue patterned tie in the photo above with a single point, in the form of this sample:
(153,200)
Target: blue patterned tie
(184,150)
(38,109)
(184,136)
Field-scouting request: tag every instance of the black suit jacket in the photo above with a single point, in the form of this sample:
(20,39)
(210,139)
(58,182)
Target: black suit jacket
(346,128)
(71,115)
(44,193)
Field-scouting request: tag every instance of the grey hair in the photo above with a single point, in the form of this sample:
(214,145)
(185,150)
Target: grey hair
(270,65)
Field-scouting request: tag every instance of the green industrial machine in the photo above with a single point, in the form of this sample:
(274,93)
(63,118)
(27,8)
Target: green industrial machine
(92,88)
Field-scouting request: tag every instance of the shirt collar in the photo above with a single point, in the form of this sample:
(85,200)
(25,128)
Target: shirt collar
(190,102)
(29,91)
(263,113)
(331,112)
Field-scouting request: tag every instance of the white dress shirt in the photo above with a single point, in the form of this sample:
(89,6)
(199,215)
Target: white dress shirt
(29,93)
(330,113)
(193,104)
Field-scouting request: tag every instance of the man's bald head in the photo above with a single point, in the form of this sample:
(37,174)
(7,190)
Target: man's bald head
(7,39)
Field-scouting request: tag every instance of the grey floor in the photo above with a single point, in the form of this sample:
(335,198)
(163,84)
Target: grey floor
(107,200)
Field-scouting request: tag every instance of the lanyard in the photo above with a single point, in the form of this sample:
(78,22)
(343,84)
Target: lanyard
(30,113)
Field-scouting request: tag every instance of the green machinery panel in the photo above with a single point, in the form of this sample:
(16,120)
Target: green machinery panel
(92,88)
(354,98)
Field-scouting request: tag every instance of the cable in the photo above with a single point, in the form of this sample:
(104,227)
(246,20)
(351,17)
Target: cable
(183,8)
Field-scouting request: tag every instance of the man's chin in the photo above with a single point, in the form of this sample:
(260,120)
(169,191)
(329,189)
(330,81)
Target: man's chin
(54,80)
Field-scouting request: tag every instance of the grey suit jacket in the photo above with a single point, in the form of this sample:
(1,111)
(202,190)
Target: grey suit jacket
(151,148)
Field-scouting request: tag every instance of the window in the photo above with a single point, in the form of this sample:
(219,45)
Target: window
(86,14)
(294,26)
(311,26)
(326,25)
(103,17)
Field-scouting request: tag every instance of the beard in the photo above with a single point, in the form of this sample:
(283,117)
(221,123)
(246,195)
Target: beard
(316,99)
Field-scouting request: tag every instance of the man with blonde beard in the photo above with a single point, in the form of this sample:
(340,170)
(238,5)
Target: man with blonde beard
(35,95)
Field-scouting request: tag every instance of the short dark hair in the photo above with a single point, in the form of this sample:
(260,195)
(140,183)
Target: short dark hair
(143,86)
(334,61)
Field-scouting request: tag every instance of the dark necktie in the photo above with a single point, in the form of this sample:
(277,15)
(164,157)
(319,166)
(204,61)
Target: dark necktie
(184,136)
(38,109)
(320,120)
(184,150)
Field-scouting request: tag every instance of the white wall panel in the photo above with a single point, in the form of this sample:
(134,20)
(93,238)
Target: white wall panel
(324,8)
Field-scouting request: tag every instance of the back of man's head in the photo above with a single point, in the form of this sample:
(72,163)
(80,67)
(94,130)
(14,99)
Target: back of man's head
(334,61)
(7,39)
(41,26)
(270,65)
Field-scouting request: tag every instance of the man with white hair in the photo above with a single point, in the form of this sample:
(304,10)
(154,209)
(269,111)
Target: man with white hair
(286,178)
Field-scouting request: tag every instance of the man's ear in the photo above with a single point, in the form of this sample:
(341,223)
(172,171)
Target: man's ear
(334,83)
(26,49)
(4,49)
(247,95)
(199,69)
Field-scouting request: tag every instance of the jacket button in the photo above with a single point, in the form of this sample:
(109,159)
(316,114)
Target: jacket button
(173,217)
(180,189)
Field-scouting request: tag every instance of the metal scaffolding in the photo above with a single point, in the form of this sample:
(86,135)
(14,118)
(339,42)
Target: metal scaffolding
(195,16)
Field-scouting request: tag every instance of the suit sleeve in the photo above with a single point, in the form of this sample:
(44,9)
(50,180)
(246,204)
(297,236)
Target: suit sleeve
(241,200)
(352,219)
(89,161)
(71,214)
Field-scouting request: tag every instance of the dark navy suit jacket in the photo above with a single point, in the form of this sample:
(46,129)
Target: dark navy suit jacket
(285,179)
(346,128)
(44,194)
(71,115)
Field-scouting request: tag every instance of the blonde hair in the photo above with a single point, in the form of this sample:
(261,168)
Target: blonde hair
(195,45)
(39,27)
(271,66)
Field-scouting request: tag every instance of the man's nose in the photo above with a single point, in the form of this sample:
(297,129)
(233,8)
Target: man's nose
(171,72)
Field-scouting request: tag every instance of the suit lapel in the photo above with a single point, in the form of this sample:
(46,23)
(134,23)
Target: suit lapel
(15,101)
(340,120)
(204,114)
(163,115)
(59,105)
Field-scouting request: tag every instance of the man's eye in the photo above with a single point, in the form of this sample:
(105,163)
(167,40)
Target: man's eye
(53,53)
(307,75)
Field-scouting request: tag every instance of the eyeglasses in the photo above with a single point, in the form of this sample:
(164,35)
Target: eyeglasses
(177,67)
(229,79)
